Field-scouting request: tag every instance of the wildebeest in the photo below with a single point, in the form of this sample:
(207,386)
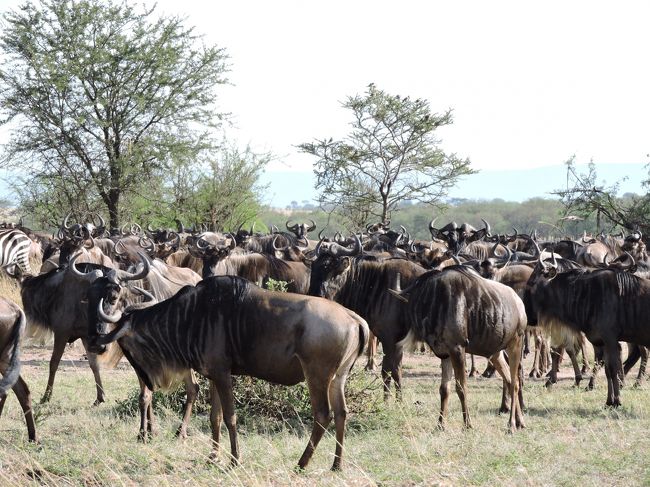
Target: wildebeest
(56,302)
(607,305)
(360,283)
(227,325)
(457,311)
(12,327)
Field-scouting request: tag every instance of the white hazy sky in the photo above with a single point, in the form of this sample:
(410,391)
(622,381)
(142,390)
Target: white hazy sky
(531,83)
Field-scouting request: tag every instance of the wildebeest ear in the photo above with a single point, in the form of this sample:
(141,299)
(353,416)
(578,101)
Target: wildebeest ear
(346,262)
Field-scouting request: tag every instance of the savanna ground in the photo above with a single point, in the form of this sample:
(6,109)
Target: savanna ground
(570,437)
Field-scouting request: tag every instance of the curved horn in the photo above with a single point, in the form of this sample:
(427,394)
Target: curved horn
(605,259)
(126,276)
(176,241)
(432,229)
(102,223)
(274,229)
(73,267)
(149,229)
(290,228)
(313,226)
(318,245)
(239,227)
(65,221)
(107,318)
(252,232)
(146,294)
(115,249)
(487,228)
(337,250)
(275,247)
(202,243)
(122,231)
(149,247)
(494,250)
(233,240)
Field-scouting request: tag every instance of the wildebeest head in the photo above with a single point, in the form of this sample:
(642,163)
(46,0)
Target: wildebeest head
(301,230)
(634,244)
(114,292)
(331,263)
(289,252)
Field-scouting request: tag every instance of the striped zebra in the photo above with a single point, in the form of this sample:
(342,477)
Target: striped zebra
(14,250)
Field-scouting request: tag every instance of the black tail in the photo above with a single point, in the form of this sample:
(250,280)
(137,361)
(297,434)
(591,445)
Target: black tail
(632,358)
(12,372)
(364,336)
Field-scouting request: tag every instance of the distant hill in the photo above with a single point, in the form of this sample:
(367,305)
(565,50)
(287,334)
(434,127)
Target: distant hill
(511,185)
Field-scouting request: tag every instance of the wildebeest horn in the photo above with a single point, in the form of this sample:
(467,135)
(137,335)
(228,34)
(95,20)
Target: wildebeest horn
(605,259)
(122,231)
(233,241)
(275,247)
(292,227)
(252,229)
(149,229)
(73,267)
(494,250)
(632,266)
(64,225)
(337,250)
(239,227)
(274,229)
(176,240)
(115,249)
(313,226)
(318,245)
(202,243)
(149,247)
(146,294)
(127,276)
(105,317)
(487,228)
(102,223)
(179,226)
(431,227)
(320,234)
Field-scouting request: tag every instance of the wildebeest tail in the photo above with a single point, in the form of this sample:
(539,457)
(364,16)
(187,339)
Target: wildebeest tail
(12,372)
(364,336)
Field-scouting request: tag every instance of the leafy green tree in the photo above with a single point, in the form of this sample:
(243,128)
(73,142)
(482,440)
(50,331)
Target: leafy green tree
(392,154)
(102,97)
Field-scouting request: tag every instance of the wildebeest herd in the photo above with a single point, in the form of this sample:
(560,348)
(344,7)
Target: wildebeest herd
(180,302)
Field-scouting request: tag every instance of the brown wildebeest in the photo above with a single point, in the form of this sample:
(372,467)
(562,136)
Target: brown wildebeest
(12,326)
(457,311)
(228,326)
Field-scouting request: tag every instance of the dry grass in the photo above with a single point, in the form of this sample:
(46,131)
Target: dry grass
(570,439)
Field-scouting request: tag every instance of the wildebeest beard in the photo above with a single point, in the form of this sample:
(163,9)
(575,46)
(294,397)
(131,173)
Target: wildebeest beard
(181,332)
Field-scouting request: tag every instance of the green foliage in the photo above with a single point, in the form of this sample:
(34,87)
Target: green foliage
(259,402)
(273,285)
(585,197)
(544,214)
(102,97)
(391,155)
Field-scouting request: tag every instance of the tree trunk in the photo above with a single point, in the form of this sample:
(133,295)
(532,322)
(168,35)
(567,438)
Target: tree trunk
(113,208)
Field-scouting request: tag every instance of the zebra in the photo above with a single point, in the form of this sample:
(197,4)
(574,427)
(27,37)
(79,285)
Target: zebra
(14,251)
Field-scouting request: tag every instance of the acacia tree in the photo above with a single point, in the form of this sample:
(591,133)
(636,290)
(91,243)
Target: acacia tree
(585,196)
(103,96)
(390,156)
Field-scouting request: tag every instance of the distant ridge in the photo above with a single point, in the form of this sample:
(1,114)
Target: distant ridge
(510,185)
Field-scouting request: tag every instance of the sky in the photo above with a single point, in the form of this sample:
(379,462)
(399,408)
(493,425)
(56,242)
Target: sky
(530,83)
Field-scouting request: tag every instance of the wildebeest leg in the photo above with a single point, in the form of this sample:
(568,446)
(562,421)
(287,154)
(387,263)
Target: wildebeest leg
(473,371)
(447,371)
(612,369)
(536,371)
(223,383)
(555,365)
(502,369)
(57,353)
(216,414)
(192,391)
(489,370)
(457,357)
(598,363)
(396,372)
(3,399)
(545,358)
(583,348)
(644,362)
(386,367)
(94,366)
(25,399)
(319,386)
(146,415)
(337,398)
(576,366)
(516,414)
(371,352)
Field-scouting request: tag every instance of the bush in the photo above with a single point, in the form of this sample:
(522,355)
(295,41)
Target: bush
(261,404)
